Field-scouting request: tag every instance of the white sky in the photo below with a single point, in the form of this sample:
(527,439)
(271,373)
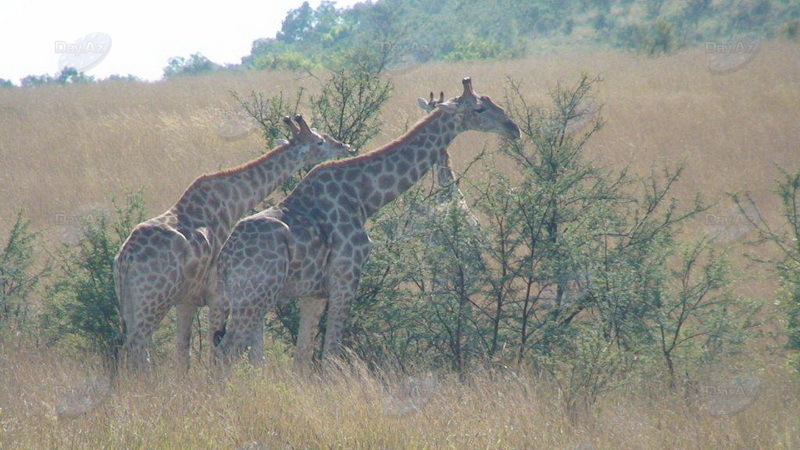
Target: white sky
(144,33)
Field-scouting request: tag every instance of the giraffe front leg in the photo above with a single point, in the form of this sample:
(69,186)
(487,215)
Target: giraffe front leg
(185,312)
(311,309)
(343,290)
(344,276)
(136,352)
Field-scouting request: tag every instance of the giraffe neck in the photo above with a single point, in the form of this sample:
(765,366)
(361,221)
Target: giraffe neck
(396,167)
(219,199)
(366,183)
(446,180)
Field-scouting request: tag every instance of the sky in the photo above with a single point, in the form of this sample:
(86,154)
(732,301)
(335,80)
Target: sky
(132,37)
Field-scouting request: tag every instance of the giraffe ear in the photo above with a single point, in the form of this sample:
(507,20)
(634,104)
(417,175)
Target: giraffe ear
(301,122)
(424,104)
(291,125)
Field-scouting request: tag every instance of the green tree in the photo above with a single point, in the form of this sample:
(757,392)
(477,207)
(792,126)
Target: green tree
(349,103)
(297,24)
(18,277)
(70,75)
(36,81)
(114,78)
(575,271)
(196,64)
(697,314)
(787,241)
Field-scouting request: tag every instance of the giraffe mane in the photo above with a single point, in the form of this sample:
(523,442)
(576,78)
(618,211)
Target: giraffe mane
(383,149)
(233,170)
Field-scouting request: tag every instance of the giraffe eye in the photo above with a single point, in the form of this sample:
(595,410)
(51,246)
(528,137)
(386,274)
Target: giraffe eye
(480,109)
(320,142)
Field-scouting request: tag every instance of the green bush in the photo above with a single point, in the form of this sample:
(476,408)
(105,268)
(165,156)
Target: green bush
(787,264)
(567,253)
(18,278)
(196,64)
(791,30)
(475,48)
(289,60)
(651,39)
(81,310)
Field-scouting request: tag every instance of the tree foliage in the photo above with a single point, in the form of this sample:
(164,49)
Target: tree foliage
(196,64)
(82,309)
(455,31)
(573,271)
(18,276)
(786,239)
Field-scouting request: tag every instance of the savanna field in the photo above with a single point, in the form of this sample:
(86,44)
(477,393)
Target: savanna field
(66,151)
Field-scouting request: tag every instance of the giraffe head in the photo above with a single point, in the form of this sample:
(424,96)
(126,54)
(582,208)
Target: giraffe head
(318,147)
(474,112)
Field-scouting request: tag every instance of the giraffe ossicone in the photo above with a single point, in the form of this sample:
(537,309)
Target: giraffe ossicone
(170,259)
(312,246)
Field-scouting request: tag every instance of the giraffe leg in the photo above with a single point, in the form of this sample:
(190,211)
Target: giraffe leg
(344,277)
(245,322)
(311,309)
(343,290)
(186,312)
(256,354)
(252,269)
(217,316)
(136,351)
(140,333)
(150,277)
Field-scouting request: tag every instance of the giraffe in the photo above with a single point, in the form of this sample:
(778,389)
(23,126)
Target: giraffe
(449,200)
(449,230)
(312,246)
(445,177)
(168,260)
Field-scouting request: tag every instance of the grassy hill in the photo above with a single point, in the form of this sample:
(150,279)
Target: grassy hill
(65,150)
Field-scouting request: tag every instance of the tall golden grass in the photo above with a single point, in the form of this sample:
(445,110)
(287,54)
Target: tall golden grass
(52,402)
(64,151)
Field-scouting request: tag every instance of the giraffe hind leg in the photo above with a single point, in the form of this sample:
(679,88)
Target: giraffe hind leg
(186,313)
(253,267)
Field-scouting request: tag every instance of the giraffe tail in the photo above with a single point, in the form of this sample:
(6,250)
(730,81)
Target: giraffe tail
(218,335)
(218,311)
(122,289)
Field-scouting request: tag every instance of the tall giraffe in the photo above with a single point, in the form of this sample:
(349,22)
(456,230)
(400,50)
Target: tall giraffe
(313,244)
(445,176)
(169,259)
(429,218)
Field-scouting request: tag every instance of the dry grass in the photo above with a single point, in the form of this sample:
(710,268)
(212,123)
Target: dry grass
(48,401)
(64,151)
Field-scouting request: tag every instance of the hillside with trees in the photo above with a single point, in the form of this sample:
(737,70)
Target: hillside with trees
(413,31)
(419,31)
